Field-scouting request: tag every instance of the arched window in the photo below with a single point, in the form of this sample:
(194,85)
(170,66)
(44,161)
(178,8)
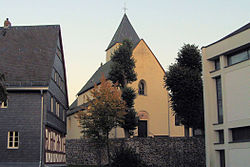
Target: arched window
(142,87)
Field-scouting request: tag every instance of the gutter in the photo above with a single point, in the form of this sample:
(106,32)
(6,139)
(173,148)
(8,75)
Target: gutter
(41,137)
(27,88)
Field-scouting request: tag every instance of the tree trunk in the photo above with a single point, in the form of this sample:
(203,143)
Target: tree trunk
(99,154)
(108,149)
(126,133)
(186,131)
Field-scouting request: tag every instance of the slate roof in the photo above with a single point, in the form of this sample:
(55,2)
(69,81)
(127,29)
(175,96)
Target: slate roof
(95,79)
(74,108)
(27,54)
(243,28)
(73,105)
(124,31)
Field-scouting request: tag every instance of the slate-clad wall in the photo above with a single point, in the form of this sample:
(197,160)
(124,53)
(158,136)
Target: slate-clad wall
(162,152)
(59,95)
(51,119)
(22,115)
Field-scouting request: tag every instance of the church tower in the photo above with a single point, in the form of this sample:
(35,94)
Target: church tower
(124,31)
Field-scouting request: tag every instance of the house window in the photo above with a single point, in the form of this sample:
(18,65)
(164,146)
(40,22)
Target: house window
(4,104)
(217,64)
(51,104)
(63,115)
(221,136)
(239,57)
(57,109)
(222,158)
(142,88)
(55,77)
(219,100)
(241,134)
(177,120)
(13,140)
(59,82)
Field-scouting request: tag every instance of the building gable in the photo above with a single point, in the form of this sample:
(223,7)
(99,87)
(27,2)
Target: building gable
(143,47)
(29,62)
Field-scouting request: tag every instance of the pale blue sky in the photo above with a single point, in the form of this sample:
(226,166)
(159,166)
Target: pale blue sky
(88,26)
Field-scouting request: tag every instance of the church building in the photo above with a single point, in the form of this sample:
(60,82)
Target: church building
(152,100)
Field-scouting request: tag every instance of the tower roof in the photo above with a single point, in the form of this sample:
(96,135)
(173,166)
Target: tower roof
(124,31)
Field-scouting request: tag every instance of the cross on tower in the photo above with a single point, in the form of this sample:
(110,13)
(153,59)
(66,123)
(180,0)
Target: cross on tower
(124,8)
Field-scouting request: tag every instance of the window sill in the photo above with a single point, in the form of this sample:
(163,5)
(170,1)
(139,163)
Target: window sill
(218,143)
(12,148)
(214,71)
(218,123)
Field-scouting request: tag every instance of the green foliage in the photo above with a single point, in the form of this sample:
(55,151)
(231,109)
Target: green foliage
(128,95)
(189,56)
(3,91)
(122,69)
(122,72)
(126,157)
(183,80)
(130,122)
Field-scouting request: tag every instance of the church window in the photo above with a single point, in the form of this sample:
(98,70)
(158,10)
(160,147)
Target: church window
(142,87)
(13,140)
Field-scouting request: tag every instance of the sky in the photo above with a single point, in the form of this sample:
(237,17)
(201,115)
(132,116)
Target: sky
(88,26)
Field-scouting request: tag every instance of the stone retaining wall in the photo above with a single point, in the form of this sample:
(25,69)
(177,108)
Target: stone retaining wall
(162,152)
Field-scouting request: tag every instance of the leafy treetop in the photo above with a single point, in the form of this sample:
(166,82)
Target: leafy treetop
(122,69)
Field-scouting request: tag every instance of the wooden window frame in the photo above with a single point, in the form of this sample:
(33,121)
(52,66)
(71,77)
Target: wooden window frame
(52,104)
(13,140)
(57,109)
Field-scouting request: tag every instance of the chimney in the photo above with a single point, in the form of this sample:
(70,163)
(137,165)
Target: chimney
(7,23)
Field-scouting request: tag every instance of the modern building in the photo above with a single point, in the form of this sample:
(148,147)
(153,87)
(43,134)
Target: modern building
(226,72)
(152,100)
(33,119)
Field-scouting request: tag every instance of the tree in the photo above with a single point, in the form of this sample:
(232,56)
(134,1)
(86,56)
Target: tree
(104,112)
(122,72)
(184,82)
(3,92)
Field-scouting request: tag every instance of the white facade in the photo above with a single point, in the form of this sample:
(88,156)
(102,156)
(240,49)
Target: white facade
(226,72)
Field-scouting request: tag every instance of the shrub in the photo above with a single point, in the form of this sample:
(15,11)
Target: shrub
(126,157)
